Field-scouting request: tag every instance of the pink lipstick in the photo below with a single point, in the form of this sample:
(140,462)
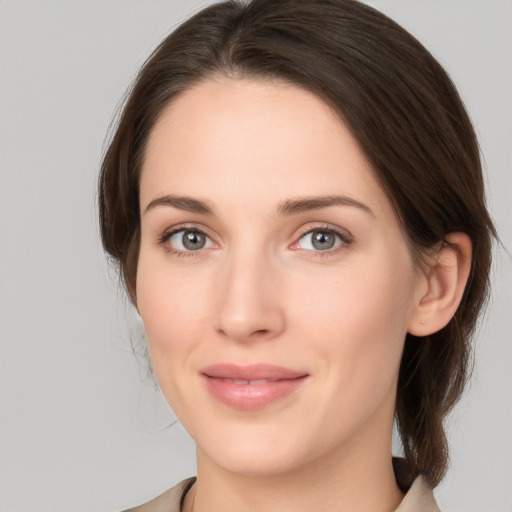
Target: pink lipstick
(251,387)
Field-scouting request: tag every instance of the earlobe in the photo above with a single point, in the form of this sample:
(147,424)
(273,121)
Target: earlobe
(443,286)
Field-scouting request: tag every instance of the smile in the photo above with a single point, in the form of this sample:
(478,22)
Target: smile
(251,387)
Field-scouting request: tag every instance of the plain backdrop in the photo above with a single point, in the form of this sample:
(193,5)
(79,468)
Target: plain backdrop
(81,430)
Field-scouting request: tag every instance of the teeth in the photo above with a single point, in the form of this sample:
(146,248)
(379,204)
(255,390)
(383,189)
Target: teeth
(256,382)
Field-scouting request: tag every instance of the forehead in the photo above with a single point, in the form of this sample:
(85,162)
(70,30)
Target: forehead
(259,140)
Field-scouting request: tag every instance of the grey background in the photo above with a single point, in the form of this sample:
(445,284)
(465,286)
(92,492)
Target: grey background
(78,429)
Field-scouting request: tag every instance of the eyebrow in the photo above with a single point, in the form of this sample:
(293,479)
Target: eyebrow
(305,204)
(187,204)
(286,208)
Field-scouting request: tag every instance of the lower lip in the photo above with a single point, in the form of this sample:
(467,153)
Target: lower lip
(252,396)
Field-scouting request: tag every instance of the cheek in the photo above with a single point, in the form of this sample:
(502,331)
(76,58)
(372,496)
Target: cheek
(364,296)
(352,329)
(358,321)
(172,307)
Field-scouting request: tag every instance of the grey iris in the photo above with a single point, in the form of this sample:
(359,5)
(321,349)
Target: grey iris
(323,240)
(192,240)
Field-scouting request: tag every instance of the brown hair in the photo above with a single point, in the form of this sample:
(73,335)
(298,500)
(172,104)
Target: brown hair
(410,122)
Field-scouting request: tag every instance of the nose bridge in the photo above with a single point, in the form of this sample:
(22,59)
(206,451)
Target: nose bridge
(248,301)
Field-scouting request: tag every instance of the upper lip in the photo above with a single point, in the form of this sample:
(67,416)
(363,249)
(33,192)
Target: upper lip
(251,372)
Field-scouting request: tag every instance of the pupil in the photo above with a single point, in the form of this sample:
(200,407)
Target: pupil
(323,240)
(193,240)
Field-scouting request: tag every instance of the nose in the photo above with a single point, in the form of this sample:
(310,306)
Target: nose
(248,304)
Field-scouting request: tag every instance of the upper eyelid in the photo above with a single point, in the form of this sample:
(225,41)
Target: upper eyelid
(186,227)
(344,237)
(163,238)
(325,227)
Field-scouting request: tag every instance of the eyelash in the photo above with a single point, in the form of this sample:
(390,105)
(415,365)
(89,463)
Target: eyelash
(164,238)
(345,238)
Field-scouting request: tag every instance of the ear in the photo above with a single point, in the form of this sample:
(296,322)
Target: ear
(442,286)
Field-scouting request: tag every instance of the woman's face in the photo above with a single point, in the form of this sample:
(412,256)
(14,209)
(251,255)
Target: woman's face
(274,282)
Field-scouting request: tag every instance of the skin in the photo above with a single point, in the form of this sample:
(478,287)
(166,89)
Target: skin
(259,291)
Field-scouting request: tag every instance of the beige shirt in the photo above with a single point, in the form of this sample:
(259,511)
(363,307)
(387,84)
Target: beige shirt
(419,498)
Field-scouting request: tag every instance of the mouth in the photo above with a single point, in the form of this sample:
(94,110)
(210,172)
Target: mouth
(251,387)
(253,382)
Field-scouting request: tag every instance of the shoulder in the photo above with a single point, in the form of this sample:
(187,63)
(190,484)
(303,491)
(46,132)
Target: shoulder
(419,498)
(169,501)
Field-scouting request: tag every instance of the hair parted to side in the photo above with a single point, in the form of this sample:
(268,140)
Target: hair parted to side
(410,122)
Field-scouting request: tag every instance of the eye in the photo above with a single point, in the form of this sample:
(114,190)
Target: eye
(321,239)
(188,240)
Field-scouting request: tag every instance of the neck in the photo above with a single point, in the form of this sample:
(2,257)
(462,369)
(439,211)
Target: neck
(322,485)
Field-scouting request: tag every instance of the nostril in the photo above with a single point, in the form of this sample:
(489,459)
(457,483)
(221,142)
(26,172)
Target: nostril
(247,335)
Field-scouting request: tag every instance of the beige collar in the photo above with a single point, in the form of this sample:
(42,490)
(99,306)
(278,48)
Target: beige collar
(419,498)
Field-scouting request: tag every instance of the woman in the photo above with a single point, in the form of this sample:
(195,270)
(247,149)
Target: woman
(295,199)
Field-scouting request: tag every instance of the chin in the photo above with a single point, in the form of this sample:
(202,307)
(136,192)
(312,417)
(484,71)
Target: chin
(255,463)
(253,455)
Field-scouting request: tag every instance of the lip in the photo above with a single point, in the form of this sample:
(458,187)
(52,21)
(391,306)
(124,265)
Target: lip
(253,386)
